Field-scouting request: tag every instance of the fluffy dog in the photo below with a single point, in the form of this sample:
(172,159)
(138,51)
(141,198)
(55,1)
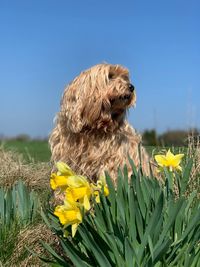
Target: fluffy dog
(91,133)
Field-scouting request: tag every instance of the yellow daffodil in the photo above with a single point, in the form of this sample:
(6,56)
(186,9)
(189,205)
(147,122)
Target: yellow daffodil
(79,189)
(69,214)
(64,169)
(77,193)
(77,181)
(60,179)
(57,181)
(170,160)
(81,194)
(98,188)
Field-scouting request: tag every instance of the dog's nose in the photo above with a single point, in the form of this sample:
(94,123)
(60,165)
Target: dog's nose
(131,87)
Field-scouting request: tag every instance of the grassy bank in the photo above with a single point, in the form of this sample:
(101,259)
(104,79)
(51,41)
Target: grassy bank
(33,150)
(39,151)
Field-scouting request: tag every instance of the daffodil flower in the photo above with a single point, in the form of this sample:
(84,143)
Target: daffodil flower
(77,181)
(79,189)
(81,194)
(98,188)
(64,169)
(77,193)
(69,214)
(60,179)
(57,181)
(170,160)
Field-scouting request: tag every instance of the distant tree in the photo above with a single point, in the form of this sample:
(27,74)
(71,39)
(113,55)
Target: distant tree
(150,137)
(173,138)
(22,137)
(170,138)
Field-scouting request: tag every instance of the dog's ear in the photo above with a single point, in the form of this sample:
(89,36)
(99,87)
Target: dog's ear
(92,110)
(70,115)
(78,109)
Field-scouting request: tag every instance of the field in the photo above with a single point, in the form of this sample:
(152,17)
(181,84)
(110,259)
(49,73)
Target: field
(33,150)
(39,151)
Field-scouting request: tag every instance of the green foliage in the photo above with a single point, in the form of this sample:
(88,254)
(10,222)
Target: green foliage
(150,138)
(178,138)
(18,208)
(32,150)
(17,203)
(141,223)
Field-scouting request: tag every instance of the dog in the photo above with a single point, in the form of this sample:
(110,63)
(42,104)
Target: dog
(91,133)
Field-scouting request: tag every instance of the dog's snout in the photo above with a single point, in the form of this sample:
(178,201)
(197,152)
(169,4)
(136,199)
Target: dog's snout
(131,87)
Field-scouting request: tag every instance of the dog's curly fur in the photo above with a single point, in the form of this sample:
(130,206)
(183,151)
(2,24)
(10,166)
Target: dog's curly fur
(91,133)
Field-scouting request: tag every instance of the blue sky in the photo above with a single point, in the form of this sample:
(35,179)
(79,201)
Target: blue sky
(45,44)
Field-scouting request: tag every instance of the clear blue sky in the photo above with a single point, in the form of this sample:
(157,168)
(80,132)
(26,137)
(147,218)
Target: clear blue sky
(44,44)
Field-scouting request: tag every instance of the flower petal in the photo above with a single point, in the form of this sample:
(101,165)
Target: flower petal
(177,159)
(77,181)
(64,169)
(161,160)
(58,181)
(74,229)
(106,190)
(169,155)
(97,198)
(68,214)
(86,202)
(74,194)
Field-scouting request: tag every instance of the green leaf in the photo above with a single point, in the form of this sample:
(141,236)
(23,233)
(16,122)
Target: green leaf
(160,251)
(111,196)
(169,183)
(74,255)
(115,248)
(2,207)
(150,243)
(106,212)
(54,254)
(96,250)
(192,223)
(139,222)
(149,231)
(132,214)
(174,210)
(135,172)
(140,198)
(128,253)
(145,192)
(120,199)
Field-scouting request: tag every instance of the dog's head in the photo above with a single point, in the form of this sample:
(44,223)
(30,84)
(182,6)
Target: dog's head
(97,99)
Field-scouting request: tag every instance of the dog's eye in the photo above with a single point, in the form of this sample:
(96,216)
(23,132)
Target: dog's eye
(112,101)
(125,77)
(110,76)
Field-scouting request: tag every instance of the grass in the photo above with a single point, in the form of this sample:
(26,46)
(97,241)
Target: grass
(39,151)
(15,240)
(33,150)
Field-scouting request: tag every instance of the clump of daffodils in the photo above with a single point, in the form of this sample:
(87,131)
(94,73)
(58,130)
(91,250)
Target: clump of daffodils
(78,192)
(170,161)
